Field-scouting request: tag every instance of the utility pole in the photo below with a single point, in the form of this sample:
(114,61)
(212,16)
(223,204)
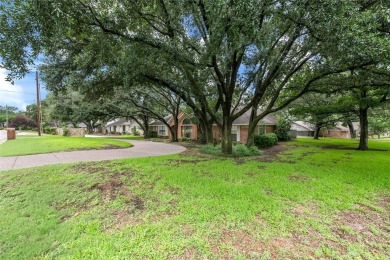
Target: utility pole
(38,105)
(6,115)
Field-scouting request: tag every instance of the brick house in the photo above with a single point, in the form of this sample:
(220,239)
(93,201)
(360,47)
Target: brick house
(190,130)
(185,127)
(337,131)
(241,124)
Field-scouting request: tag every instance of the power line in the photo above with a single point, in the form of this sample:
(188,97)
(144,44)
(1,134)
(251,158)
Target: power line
(17,92)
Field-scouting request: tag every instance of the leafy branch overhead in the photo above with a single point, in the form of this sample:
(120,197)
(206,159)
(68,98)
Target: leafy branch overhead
(222,58)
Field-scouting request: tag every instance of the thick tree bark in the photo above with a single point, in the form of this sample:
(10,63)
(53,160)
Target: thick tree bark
(206,131)
(145,127)
(351,130)
(317,131)
(363,118)
(175,129)
(251,129)
(226,140)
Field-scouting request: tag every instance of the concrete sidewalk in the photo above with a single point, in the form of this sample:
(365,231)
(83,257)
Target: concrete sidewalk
(140,149)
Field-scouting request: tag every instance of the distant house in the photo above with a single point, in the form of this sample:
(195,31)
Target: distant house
(302,128)
(356,128)
(122,126)
(190,130)
(338,131)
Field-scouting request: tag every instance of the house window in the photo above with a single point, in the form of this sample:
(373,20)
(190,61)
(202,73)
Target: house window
(186,128)
(161,130)
(114,128)
(234,133)
(261,129)
(186,131)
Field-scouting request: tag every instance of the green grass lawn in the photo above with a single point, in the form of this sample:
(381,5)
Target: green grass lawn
(305,199)
(26,144)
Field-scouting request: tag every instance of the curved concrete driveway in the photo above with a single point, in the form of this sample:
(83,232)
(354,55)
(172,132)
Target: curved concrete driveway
(140,149)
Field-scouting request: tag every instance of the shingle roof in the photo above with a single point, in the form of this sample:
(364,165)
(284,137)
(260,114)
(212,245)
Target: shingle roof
(119,122)
(158,122)
(244,119)
(301,126)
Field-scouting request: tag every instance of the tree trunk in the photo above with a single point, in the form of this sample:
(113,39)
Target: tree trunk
(145,127)
(363,118)
(205,130)
(251,135)
(251,129)
(317,131)
(226,142)
(227,145)
(175,129)
(351,130)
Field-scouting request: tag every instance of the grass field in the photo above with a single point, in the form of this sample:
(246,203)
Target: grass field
(306,199)
(27,144)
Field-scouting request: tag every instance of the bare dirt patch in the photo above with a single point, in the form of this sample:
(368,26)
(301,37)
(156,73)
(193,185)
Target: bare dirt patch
(271,154)
(298,178)
(241,241)
(183,161)
(114,188)
(365,226)
(89,168)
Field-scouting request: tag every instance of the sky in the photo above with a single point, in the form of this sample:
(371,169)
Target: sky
(21,93)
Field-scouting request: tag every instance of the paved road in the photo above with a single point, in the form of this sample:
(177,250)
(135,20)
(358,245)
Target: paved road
(140,149)
(3,136)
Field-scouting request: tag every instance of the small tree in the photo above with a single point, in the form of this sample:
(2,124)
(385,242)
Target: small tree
(22,122)
(282,131)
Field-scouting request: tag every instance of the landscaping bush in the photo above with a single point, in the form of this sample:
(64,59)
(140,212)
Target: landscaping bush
(266,140)
(238,150)
(152,134)
(282,131)
(49,130)
(66,131)
(134,131)
(185,139)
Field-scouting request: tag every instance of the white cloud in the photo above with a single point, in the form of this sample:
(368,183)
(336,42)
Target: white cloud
(11,95)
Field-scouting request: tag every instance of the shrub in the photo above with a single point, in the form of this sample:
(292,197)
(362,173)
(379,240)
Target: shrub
(186,139)
(66,131)
(49,130)
(266,140)
(134,131)
(152,134)
(238,150)
(282,131)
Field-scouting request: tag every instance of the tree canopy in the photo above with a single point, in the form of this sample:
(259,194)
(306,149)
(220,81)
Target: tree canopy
(222,58)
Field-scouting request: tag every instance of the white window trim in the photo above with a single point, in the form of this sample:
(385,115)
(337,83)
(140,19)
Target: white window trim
(165,130)
(238,132)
